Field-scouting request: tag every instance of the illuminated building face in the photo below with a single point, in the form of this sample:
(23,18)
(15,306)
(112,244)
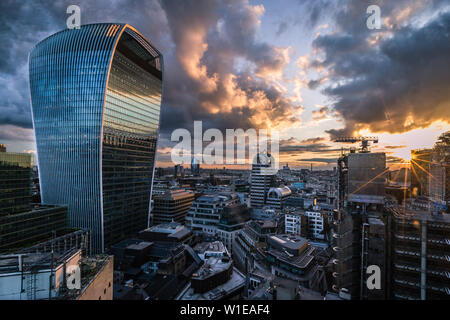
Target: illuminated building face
(96,98)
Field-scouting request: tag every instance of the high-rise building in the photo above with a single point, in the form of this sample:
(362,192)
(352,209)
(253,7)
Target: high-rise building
(22,223)
(262,179)
(171,206)
(420,256)
(178,171)
(96,99)
(15,182)
(195,167)
(439,175)
(361,194)
(420,165)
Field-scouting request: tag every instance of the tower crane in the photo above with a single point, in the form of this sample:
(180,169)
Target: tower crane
(364,141)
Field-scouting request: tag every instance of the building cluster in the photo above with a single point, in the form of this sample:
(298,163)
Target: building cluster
(96,220)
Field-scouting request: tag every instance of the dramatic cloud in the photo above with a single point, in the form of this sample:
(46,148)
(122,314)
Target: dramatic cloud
(320,114)
(392,80)
(292,145)
(211,37)
(202,42)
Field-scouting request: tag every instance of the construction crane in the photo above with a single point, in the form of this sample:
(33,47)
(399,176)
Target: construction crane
(364,141)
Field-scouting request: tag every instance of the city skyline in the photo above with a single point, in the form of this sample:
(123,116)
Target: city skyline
(242,64)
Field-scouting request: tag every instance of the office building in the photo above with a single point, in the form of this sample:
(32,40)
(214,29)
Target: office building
(23,223)
(420,164)
(262,179)
(420,256)
(296,222)
(316,224)
(292,257)
(167,232)
(171,206)
(277,197)
(15,182)
(232,220)
(195,167)
(96,99)
(250,244)
(204,214)
(439,175)
(361,194)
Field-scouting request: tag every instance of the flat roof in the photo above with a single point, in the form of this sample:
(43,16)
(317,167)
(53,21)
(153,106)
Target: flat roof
(237,281)
(290,241)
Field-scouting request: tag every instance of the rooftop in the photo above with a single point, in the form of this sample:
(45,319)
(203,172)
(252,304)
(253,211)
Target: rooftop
(236,282)
(290,241)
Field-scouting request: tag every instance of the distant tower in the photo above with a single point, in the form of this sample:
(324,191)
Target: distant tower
(195,167)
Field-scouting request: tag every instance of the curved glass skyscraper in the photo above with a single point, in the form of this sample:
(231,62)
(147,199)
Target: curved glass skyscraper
(96,98)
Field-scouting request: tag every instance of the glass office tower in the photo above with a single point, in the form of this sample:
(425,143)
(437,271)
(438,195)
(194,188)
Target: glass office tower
(96,98)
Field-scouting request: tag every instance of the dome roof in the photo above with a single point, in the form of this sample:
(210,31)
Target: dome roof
(279,192)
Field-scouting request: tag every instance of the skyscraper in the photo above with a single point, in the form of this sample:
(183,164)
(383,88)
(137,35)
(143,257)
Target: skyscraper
(262,179)
(96,98)
(195,167)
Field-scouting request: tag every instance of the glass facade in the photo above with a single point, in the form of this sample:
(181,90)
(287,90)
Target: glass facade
(96,98)
(15,182)
(28,228)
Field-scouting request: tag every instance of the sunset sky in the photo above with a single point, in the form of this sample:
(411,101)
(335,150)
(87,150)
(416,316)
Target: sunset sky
(309,68)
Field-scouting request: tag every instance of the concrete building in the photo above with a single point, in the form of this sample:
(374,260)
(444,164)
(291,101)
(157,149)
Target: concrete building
(204,214)
(250,244)
(292,257)
(361,193)
(43,276)
(167,232)
(277,197)
(420,256)
(216,279)
(316,224)
(296,222)
(171,206)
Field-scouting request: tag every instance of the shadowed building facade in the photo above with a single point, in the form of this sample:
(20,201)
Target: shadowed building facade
(96,98)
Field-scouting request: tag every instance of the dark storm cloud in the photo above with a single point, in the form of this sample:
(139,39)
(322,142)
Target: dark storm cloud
(396,83)
(210,36)
(200,40)
(25,23)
